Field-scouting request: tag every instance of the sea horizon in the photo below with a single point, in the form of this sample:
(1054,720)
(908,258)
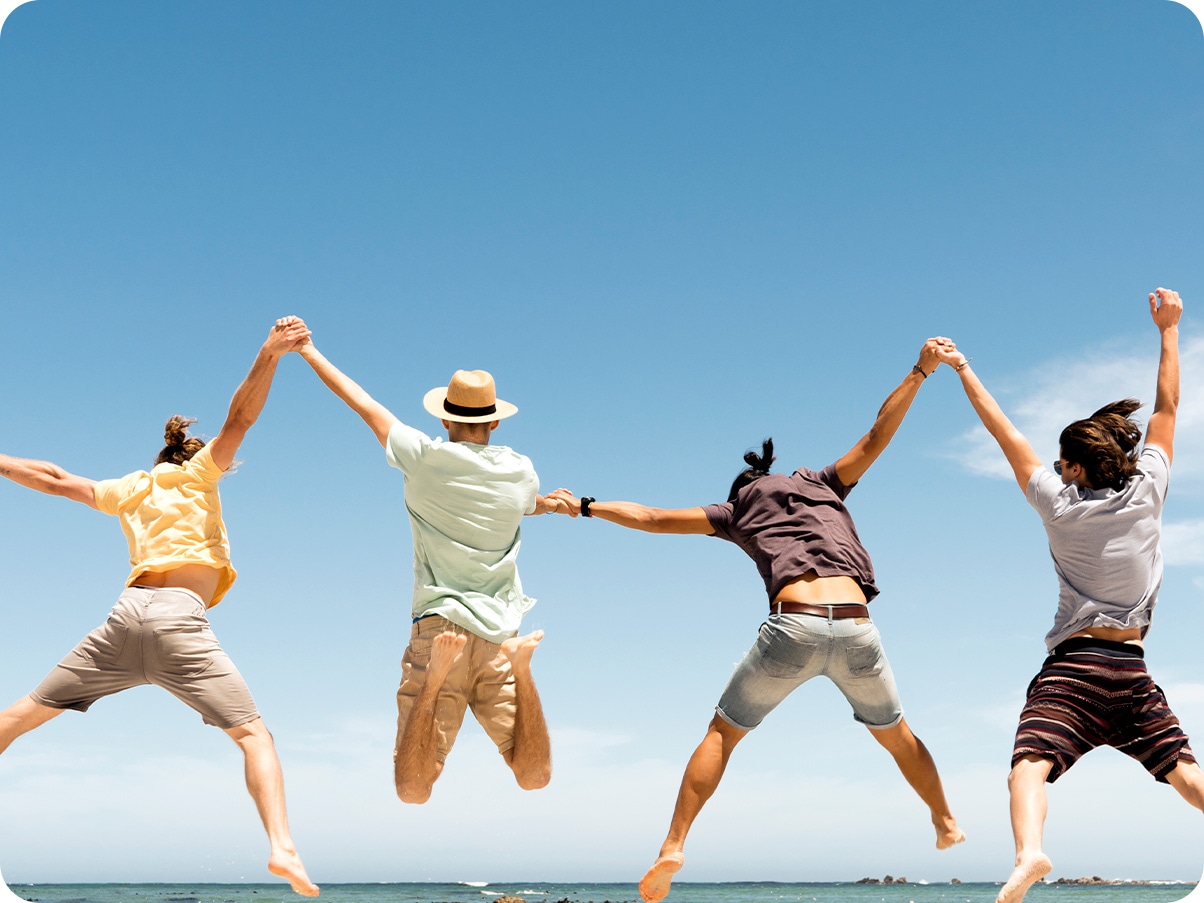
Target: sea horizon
(854,891)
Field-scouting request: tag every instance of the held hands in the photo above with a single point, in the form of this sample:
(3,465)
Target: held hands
(947,353)
(289,334)
(563,502)
(1165,308)
(929,355)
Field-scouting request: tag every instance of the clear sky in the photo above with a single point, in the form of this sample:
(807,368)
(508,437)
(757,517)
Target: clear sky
(669,230)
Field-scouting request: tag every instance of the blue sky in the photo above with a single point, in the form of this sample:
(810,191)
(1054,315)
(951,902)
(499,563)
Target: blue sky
(669,230)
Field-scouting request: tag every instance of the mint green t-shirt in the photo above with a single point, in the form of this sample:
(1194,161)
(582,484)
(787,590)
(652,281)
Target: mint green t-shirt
(466,503)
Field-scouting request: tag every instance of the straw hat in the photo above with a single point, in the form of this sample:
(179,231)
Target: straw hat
(470,397)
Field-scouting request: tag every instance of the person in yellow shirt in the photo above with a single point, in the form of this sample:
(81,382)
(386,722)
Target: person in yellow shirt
(158,632)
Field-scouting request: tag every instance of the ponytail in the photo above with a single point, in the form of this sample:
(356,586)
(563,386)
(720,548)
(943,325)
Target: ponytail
(179,446)
(758,466)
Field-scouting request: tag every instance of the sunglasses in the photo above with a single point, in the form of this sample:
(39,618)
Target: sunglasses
(1058,467)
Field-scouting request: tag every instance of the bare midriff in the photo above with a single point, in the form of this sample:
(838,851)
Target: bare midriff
(198,578)
(1115,634)
(812,589)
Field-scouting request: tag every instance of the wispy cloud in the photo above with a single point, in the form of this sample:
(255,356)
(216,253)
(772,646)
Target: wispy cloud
(1183,542)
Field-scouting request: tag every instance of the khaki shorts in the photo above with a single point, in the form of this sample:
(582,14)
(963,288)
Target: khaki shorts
(480,679)
(152,636)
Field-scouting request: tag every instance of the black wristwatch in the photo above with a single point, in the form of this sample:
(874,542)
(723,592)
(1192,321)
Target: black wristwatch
(586,501)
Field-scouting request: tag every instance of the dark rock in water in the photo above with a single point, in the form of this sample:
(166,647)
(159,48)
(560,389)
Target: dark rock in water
(955,880)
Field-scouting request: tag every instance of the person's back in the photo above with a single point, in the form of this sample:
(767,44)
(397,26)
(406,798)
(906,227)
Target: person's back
(1105,543)
(795,524)
(466,502)
(172,517)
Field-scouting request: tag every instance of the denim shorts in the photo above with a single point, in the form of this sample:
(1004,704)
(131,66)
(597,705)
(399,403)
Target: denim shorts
(791,649)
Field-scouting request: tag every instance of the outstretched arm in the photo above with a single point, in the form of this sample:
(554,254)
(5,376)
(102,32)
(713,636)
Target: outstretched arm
(636,517)
(1166,308)
(48,478)
(1015,447)
(249,399)
(857,460)
(375,414)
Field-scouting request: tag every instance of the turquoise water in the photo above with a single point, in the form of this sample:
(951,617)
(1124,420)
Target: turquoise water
(543,892)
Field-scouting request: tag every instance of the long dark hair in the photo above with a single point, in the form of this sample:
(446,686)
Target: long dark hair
(179,445)
(758,466)
(1105,444)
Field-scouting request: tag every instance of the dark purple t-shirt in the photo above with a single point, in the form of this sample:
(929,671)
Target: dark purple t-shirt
(790,525)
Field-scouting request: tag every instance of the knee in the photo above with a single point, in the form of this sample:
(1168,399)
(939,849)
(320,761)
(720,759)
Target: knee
(534,778)
(412,792)
(252,734)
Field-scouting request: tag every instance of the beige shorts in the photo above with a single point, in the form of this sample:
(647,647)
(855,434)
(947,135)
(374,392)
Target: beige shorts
(480,679)
(152,636)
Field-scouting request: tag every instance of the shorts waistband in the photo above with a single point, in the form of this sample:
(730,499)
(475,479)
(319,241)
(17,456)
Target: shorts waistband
(168,589)
(1079,643)
(836,612)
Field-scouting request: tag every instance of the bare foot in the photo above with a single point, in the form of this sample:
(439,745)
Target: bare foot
(288,866)
(655,884)
(519,649)
(948,834)
(1029,869)
(445,649)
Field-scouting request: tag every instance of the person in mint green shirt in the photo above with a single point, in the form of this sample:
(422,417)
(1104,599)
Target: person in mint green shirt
(466,499)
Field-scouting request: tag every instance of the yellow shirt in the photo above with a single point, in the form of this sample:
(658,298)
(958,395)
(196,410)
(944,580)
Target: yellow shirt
(171,516)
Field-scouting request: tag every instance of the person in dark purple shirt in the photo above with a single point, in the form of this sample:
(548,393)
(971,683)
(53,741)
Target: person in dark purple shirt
(819,580)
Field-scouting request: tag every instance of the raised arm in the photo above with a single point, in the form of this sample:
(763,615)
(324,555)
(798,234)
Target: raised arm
(48,478)
(857,460)
(1166,308)
(1016,449)
(249,399)
(635,517)
(375,414)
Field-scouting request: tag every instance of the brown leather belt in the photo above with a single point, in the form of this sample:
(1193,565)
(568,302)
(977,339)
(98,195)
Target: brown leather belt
(851,610)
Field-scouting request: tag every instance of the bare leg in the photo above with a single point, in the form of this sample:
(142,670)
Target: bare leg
(531,757)
(1029,804)
(703,773)
(1188,779)
(265,782)
(417,766)
(919,770)
(21,717)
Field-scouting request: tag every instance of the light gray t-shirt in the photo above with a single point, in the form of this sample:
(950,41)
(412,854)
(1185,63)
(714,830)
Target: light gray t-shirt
(465,502)
(1104,544)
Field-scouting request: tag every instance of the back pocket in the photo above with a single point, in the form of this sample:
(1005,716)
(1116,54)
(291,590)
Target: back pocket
(186,649)
(865,660)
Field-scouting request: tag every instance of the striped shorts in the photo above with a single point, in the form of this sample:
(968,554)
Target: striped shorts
(1093,693)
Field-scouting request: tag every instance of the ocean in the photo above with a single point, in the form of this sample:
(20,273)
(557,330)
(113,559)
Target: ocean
(552,892)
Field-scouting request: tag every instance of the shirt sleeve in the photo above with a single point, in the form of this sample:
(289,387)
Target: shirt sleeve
(828,477)
(1154,465)
(1046,493)
(720,517)
(109,494)
(405,447)
(203,466)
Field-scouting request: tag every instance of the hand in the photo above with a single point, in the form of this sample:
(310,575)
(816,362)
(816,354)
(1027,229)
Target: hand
(1165,308)
(563,502)
(930,354)
(948,354)
(287,335)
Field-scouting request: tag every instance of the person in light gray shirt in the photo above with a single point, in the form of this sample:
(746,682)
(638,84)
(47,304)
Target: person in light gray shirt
(1102,510)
